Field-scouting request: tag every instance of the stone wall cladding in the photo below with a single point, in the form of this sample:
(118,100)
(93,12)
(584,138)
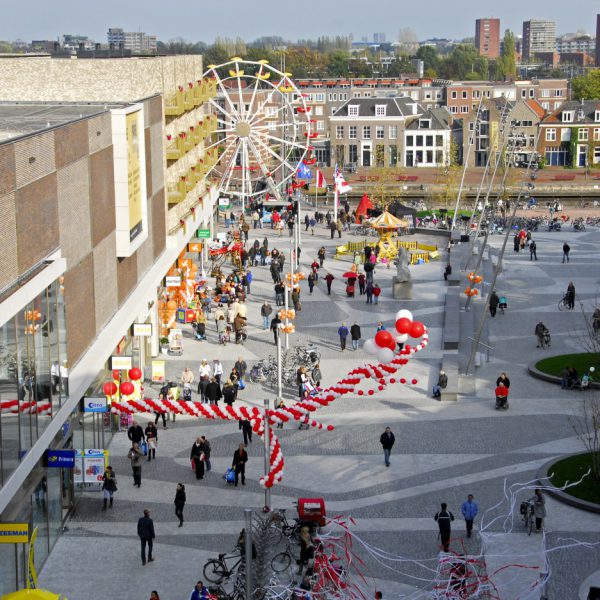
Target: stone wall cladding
(102,194)
(34,158)
(8,178)
(105,280)
(159,223)
(71,143)
(99,133)
(74,211)
(9,260)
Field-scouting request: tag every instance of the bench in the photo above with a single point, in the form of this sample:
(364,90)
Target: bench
(451,335)
(566,177)
(450,367)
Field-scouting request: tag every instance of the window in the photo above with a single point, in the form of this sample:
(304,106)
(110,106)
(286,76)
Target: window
(339,132)
(366,132)
(545,93)
(558,93)
(332,97)
(556,105)
(367,94)
(565,134)
(344,96)
(410,158)
(454,109)
(319,97)
(465,95)
(393,132)
(567,116)
(429,156)
(410,140)
(356,94)
(272,125)
(454,95)
(353,110)
(523,93)
(380,155)
(596,134)
(546,106)
(556,158)
(526,123)
(352,132)
(439,157)
(427,95)
(380,110)
(532,93)
(597,155)
(319,111)
(550,135)
(320,125)
(394,155)
(464,109)
(380,132)
(476,94)
(353,153)
(424,124)
(583,135)
(597,116)
(429,141)
(439,141)
(419,140)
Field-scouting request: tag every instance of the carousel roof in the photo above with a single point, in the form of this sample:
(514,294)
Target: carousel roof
(387,220)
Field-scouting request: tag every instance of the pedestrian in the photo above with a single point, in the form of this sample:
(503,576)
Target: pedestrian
(204,373)
(566,250)
(154,595)
(246,428)
(442,383)
(280,406)
(332,228)
(197,457)
(376,293)
(444,518)
(179,502)
(307,552)
(321,255)
(279,293)
(503,379)
(265,313)
(249,278)
(242,367)
(109,486)
(217,370)
(240,458)
(328,279)
(469,510)
(339,226)
(343,333)
(311,282)
(316,374)
(229,392)
(570,296)
(369,292)
(447,271)
(145,531)
(151,439)
(213,391)
(187,377)
(539,509)
(380,326)
(135,433)
(355,335)
(494,301)
(200,592)
(163,414)
(532,250)
(361,284)
(296,299)
(207,451)
(387,441)
(135,457)
(275,323)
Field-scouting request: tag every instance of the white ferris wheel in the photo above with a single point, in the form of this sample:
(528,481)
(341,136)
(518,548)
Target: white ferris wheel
(264,129)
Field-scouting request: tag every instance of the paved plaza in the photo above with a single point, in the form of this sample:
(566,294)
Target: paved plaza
(443,450)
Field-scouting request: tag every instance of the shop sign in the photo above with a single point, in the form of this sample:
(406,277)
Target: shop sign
(60,459)
(142,329)
(120,362)
(158,371)
(203,234)
(95,405)
(173,281)
(14,533)
(223,201)
(90,465)
(195,247)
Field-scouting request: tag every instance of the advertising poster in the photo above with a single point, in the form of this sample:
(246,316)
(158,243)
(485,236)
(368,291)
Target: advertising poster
(158,371)
(78,468)
(89,465)
(133,175)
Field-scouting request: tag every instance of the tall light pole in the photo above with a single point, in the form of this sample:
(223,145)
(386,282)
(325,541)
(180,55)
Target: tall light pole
(267,452)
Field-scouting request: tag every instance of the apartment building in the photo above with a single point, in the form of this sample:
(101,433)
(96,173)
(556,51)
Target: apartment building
(539,36)
(570,136)
(487,37)
(370,131)
(572,43)
(427,140)
(138,42)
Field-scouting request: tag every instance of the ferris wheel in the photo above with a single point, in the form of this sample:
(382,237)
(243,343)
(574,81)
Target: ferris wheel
(264,129)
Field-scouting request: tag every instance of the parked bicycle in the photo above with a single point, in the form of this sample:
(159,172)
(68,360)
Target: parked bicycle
(527,516)
(216,570)
(281,527)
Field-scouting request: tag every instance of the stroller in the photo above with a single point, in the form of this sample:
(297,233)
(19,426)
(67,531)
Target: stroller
(502,304)
(200,329)
(187,392)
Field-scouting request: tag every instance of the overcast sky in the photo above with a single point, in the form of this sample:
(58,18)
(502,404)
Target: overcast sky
(202,20)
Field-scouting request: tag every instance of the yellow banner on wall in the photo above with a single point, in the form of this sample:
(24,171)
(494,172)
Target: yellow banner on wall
(14,533)
(133,174)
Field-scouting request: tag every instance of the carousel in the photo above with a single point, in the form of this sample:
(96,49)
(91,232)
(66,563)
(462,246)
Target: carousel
(386,226)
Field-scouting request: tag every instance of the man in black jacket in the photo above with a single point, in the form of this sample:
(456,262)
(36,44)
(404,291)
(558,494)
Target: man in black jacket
(196,455)
(387,440)
(355,335)
(444,517)
(135,433)
(275,323)
(145,531)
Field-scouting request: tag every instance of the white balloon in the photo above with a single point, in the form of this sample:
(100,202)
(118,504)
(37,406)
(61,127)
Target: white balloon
(385,355)
(404,314)
(371,347)
(592,369)
(402,338)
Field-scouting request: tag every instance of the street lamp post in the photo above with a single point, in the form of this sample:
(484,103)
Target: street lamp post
(267,443)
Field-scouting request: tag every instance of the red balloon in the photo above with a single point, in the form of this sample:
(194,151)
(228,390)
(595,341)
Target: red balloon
(402,380)
(392,344)
(417,329)
(414,382)
(135,374)
(392,380)
(371,392)
(383,338)
(329,427)
(380,388)
(360,392)
(127,388)
(110,388)
(403,325)
(116,374)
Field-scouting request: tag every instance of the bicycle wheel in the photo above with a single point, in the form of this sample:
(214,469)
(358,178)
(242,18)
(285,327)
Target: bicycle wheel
(275,534)
(281,562)
(530,525)
(214,571)
(562,304)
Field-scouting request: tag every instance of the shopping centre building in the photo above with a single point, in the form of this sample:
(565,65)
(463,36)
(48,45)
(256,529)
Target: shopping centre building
(102,189)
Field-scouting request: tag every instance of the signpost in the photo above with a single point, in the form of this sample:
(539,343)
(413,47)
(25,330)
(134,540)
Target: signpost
(60,459)
(95,405)
(14,533)
(173,281)
(203,234)
(121,363)
(142,329)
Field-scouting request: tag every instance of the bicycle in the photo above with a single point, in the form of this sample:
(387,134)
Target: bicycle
(283,527)
(563,303)
(218,592)
(281,562)
(527,515)
(216,570)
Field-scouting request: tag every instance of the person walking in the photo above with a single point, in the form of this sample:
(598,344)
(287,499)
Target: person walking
(179,502)
(539,509)
(311,282)
(213,391)
(321,255)
(444,519)
(275,323)
(376,293)
(265,313)
(387,440)
(316,375)
(242,367)
(135,433)
(207,451)
(332,228)
(532,250)
(343,333)
(246,428)
(361,283)
(369,292)
(200,592)
(240,458)
(469,511)
(296,299)
(151,439)
(109,486)
(145,531)
(566,250)
(570,296)
(217,370)
(229,392)
(328,280)
(197,457)
(135,457)
(493,304)
(355,335)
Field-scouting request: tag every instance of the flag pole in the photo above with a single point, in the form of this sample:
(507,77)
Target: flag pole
(335,201)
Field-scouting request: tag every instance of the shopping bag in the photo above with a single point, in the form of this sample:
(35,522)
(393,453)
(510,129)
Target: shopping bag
(241,384)
(144,448)
(202,456)
(193,464)
(230,475)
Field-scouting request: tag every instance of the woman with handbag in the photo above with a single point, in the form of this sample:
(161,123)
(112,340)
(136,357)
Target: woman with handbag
(240,458)
(180,502)
(197,457)
(109,486)
(151,439)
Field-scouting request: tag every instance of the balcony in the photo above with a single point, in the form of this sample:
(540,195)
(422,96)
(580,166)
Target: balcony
(175,148)
(176,192)
(174,105)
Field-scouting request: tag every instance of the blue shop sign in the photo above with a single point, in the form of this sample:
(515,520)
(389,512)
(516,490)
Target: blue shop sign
(95,405)
(60,459)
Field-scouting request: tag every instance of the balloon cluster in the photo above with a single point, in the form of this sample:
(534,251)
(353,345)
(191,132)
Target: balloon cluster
(384,344)
(125,389)
(474,279)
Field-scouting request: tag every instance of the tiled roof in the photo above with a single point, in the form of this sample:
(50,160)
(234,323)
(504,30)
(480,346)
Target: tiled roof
(588,108)
(395,107)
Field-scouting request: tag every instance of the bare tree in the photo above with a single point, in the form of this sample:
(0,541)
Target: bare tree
(587,428)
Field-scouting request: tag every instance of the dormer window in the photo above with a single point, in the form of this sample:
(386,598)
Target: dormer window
(567,116)
(380,110)
(597,116)
(424,123)
(353,110)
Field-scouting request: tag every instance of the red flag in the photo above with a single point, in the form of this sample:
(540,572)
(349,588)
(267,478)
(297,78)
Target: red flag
(321,182)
